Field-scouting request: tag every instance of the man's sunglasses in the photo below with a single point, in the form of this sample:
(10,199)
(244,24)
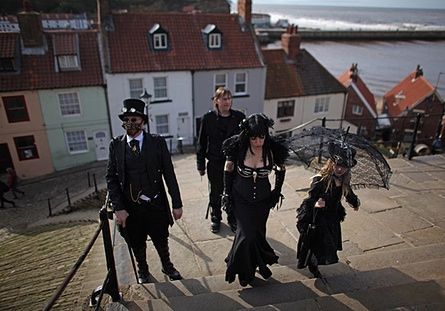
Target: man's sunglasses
(130,119)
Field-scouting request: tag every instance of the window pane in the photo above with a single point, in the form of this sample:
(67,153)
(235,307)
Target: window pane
(160,87)
(26,148)
(240,82)
(162,124)
(136,88)
(214,40)
(15,108)
(76,141)
(160,41)
(220,80)
(286,108)
(68,62)
(69,104)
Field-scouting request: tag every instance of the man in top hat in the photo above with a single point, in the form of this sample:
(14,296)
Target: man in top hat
(138,164)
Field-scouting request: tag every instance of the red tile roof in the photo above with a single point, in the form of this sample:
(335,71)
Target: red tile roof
(303,76)
(282,80)
(407,94)
(38,71)
(346,80)
(8,44)
(130,51)
(65,43)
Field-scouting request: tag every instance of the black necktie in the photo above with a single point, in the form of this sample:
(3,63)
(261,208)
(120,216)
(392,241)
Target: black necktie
(134,144)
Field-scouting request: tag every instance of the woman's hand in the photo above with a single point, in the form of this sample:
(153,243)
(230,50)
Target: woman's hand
(320,203)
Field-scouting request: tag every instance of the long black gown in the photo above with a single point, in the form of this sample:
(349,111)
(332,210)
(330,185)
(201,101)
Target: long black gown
(325,240)
(251,205)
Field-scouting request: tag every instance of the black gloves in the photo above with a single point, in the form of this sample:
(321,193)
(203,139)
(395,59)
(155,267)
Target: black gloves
(275,194)
(226,198)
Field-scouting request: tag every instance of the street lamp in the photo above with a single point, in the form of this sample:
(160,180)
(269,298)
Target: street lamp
(146,97)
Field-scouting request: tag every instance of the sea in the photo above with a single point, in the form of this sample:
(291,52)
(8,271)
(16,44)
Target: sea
(381,64)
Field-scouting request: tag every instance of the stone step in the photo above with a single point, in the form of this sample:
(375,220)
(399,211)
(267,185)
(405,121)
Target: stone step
(427,258)
(398,257)
(426,295)
(308,295)
(194,294)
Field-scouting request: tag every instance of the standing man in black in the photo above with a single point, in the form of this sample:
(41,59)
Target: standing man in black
(138,164)
(216,126)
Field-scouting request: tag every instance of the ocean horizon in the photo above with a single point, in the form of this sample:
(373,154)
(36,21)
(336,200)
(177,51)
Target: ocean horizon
(381,64)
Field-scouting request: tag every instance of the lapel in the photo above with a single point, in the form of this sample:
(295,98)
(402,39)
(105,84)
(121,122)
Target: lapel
(233,125)
(121,152)
(148,149)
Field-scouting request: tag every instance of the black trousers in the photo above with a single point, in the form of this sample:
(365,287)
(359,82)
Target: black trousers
(215,174)
(144,221)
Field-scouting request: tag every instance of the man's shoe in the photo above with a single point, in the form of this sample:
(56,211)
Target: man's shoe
(315,272)
(172,273)
(215,226)
(143,277)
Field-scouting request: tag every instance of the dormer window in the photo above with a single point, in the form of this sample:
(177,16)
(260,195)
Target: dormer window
(66,51)
(9,53)
(212,37)
(158,38)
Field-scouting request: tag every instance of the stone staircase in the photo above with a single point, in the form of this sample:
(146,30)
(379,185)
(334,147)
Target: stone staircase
(408,279)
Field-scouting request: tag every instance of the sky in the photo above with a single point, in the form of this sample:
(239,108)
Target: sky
(426,4)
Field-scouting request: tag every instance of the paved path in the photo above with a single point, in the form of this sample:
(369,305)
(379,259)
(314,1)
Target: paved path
(401,226)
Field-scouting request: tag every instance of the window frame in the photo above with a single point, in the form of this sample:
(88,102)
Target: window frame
(167,124)
(133,91)
(160,41)
(68,142)
(157,88)
(215,40)
(215,85)
(78,104)
(236,82)
(9,116)
(21,150)
(357,110)
(321,105)
(68,62)
(282,112)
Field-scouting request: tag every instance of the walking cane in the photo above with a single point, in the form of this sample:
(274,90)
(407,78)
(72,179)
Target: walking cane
(208,210)
(125,235)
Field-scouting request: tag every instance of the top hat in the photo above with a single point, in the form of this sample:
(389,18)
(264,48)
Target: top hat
(342,154)
(133,107)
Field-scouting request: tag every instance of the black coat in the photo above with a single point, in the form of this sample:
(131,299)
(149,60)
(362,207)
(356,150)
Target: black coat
(323,238)
(159,167)
(211,136)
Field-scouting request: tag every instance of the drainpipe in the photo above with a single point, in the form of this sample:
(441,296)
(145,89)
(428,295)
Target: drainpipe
(343,109)
(193,109)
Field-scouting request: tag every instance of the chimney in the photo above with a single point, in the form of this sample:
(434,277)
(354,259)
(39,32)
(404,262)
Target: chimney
(245,11)
(353,72)
(31,30)
(290,41)
(419,71)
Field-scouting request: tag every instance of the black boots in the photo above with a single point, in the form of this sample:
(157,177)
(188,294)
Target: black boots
(215,224)
(315,272)
(167,266)
(232,222)
(141,259)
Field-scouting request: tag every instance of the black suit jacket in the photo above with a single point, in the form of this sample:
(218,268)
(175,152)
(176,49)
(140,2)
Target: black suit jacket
(159,167)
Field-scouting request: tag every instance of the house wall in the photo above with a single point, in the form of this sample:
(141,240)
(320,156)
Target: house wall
(252,102)
(93,117)
(35,127)
(304,112)
(178,107)
(431,108)
(365,120)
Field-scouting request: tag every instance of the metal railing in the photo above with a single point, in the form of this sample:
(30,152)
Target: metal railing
(110,284)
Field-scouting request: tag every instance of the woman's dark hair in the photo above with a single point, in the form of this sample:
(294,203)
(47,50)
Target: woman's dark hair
(257,124)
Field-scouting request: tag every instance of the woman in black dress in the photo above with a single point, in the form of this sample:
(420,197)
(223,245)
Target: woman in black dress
(251,157)
(320,214)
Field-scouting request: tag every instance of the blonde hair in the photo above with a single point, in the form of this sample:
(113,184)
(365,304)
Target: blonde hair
(327,175)
(220,92)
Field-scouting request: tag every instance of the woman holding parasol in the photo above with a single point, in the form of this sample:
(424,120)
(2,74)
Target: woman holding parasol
(320,214)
